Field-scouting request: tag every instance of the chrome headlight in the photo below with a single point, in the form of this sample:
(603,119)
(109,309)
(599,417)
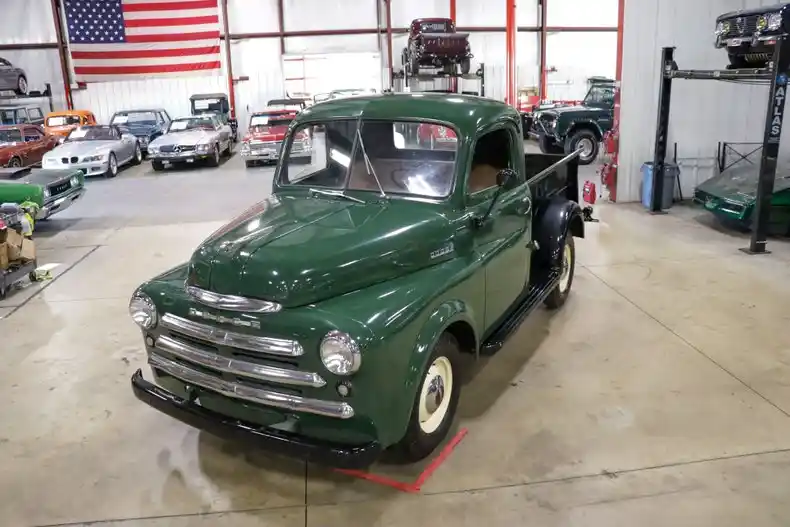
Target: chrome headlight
(74,181)
(774,21)
(143,310)
(340,353)
(47,193)
(722,28)
(91,159)
(143,140)
(153,150)
(205,147)
(245,147)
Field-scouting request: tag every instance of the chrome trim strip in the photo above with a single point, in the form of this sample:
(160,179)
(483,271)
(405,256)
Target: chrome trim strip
(220,337)
(283,401)
(232,302)
(207,359)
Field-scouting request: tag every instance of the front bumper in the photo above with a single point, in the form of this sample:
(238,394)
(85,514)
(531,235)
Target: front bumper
(95,168)
(59,203)
(750,44)
(180,157)
(271,155)
(271,439)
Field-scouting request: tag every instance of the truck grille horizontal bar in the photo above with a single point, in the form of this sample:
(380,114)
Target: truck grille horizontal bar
(294,403)
(211,360)
(220,337)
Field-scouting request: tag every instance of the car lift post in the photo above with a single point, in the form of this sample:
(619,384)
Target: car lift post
(777,76)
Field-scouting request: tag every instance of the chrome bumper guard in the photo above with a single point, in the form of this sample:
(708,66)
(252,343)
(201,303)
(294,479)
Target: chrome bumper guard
(252,394)
(220,337)
(211,360)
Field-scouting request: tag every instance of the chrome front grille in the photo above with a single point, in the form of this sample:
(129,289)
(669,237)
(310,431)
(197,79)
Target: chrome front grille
(744,26)
(266,145)
(221,337)
(250,393)
(209,359)
(168,149)
(59,188)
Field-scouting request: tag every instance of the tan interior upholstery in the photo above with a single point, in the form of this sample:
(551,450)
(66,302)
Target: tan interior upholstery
(481,177)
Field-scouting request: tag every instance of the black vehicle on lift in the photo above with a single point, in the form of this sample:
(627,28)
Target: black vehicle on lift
(215,103)
(750,35)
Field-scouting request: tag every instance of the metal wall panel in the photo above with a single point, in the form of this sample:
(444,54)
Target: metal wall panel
(578,56)
(404,11)
(26,22)
(258,59)
(585,13)
(703,112)
(253,16)
(332,44)
(321,15)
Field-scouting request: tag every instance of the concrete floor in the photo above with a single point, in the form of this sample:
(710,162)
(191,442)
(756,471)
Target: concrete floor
(660,394)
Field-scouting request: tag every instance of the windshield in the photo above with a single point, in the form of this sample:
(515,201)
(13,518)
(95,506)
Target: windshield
(91,133)
(264,123)
(329,155)
(12,135)
(600,95)
(434,27)
(63,120)
(134,118)
(209,105)
(191,123)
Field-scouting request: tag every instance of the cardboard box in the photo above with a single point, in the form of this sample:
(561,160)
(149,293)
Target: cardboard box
(13,238)
(4,234)
(27,253)
(4,260)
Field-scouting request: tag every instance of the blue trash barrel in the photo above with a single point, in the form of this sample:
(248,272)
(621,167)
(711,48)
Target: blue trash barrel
(671,172)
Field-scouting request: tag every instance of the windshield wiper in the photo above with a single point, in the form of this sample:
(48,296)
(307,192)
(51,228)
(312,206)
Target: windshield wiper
(368,165)
(338,193)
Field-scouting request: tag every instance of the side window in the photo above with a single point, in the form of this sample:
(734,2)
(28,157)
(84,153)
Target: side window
(493,152)
(31,135)
(160,119)
(21,116)
(5,63)
(115,132)
(35,114)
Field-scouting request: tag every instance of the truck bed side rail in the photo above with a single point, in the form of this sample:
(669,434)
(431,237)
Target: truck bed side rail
(550,175)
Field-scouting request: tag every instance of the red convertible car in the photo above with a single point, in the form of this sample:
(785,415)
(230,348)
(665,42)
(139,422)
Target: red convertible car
(435,136)
(24,145)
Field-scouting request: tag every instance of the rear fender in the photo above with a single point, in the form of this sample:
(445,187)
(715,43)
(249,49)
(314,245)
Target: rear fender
(553,219)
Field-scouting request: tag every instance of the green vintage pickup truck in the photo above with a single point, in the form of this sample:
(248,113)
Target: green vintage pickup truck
(326,322)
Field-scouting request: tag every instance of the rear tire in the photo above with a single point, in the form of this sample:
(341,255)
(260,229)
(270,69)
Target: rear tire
(559,294)
(466,65)
(588,141)
(435,403)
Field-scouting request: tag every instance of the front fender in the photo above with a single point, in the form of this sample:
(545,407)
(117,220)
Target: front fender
(553,219)
(584,123)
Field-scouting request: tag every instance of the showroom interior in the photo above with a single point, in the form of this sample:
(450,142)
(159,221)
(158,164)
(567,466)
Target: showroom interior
(392,262)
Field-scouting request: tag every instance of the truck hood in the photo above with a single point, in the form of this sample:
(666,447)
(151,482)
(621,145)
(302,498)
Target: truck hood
(739,185)
(574,110)
(42,177)
(298,250)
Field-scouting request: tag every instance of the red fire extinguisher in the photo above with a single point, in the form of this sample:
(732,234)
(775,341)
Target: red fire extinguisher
(588,192)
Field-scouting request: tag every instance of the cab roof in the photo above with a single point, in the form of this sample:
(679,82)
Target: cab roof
(69,112)
(468,113)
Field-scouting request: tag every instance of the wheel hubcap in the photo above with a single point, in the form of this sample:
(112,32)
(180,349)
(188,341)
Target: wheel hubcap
(138,153)
(15,162)
(587,147)
(435,395)
(565,277)
(113,165)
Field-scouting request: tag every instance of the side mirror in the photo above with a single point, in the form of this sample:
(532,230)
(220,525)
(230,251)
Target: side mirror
(504,179)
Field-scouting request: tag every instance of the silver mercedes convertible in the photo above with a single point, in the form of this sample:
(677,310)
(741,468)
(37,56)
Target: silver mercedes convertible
(188,140)
(95,150)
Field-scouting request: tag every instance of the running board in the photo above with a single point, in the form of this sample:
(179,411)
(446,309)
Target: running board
(529,301)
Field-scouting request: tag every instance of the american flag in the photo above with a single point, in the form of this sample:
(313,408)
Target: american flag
(129,39)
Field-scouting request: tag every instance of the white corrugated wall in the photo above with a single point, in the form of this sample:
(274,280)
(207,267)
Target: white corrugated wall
(702,112)
(576,56)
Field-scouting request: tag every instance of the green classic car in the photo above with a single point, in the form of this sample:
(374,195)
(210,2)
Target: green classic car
(731,197)
(52,190)
(327,321)
(570,128)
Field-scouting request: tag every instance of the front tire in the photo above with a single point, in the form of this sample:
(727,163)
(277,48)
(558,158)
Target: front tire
(548,145)
(21,85)
(112,167)
(435,404)
(249,164)
(213,161)
(138,155)
(158,166)
(587,141)
(15,162)
(559,294)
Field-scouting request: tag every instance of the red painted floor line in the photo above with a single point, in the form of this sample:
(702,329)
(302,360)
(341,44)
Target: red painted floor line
(416,485)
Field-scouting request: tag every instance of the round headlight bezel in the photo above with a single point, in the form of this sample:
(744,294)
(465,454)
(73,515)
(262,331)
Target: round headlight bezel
(345,359)
(74,181)
(774,21)
(143,310)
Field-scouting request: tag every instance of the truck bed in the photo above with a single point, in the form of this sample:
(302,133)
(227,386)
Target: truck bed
(551,175)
